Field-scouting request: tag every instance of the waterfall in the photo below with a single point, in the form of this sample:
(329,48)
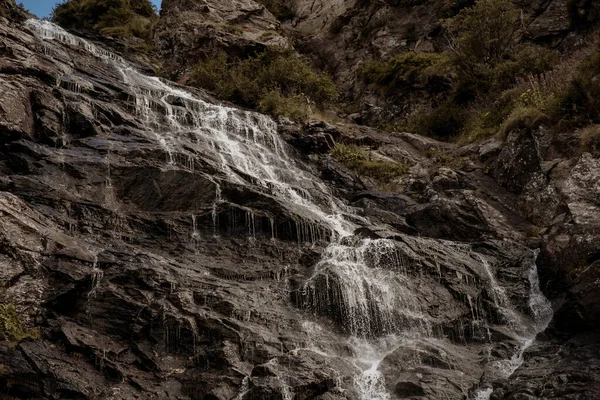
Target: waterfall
(540,306)
(244,146)
(541,311)
(364,285)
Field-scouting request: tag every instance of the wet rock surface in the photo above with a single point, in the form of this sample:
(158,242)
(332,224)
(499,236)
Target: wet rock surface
(152,272)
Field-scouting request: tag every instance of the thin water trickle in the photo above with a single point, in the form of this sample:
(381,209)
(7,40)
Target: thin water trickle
(540,306)
(371,384)
(499,296)
(483,394)
(541,310)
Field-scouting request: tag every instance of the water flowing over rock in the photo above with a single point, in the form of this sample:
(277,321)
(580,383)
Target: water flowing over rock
(169,246)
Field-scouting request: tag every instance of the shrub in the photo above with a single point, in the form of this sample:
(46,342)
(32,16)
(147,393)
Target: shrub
(11,325)
(590,139)
(484,40)
(484,59)
(294,107)
(10,10)
(445,121)
(580,102)
(484,34)
(360,162)
(403,70)
(523,117)
(277,8)
(278,82)
(122,18)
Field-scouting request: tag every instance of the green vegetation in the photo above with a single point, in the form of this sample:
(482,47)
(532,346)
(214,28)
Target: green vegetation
(280,83)
(483,37)
(471,85)
(6,10)
(526,117)
(11,325)
(119,18)
(489,61)
(446,120)
(404,70)
(363,164)
(579,103)
(590,139)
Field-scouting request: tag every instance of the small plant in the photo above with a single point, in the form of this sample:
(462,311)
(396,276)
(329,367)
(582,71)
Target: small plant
(590,139)
(403,70)
(523,117)
(574,273)
(22,8)
(363,164)
(277,8)
(533,231)
(11,325)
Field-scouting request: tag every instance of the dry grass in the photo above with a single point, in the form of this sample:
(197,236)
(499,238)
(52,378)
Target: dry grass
(363,163)
(533,100)
(590,139)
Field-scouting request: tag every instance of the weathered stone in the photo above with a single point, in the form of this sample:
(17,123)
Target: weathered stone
(189,30)
(555,19)
(151,274)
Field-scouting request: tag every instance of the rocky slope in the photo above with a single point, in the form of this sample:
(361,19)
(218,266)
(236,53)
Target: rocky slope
(188,30)
(341,36)
(167,246)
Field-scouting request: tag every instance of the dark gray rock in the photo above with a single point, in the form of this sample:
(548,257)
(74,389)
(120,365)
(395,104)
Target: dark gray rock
(150,274)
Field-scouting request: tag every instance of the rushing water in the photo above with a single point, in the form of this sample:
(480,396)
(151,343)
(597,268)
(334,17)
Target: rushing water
(361,284)
(541,311)
(243,145)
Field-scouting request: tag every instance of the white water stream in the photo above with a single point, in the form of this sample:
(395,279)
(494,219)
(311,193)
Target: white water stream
(361,283)
(541,310)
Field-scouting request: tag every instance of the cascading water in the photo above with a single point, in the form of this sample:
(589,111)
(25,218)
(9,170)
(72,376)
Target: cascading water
(541,312)
(242,145)
(361,284)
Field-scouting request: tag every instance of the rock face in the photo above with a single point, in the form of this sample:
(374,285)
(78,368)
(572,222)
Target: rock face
(189,30)
(166,246)
(342,35)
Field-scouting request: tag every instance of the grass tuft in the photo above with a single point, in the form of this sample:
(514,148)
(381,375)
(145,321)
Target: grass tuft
(363,164)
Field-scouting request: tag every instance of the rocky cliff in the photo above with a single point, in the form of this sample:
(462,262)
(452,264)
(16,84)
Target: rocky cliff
(158,243)
(342,36)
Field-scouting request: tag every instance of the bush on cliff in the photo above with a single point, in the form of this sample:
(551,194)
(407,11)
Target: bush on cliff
(364,164)
(404,70)
(121,18)
(11,326)
(580,102)
(277,82)
(484,57)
